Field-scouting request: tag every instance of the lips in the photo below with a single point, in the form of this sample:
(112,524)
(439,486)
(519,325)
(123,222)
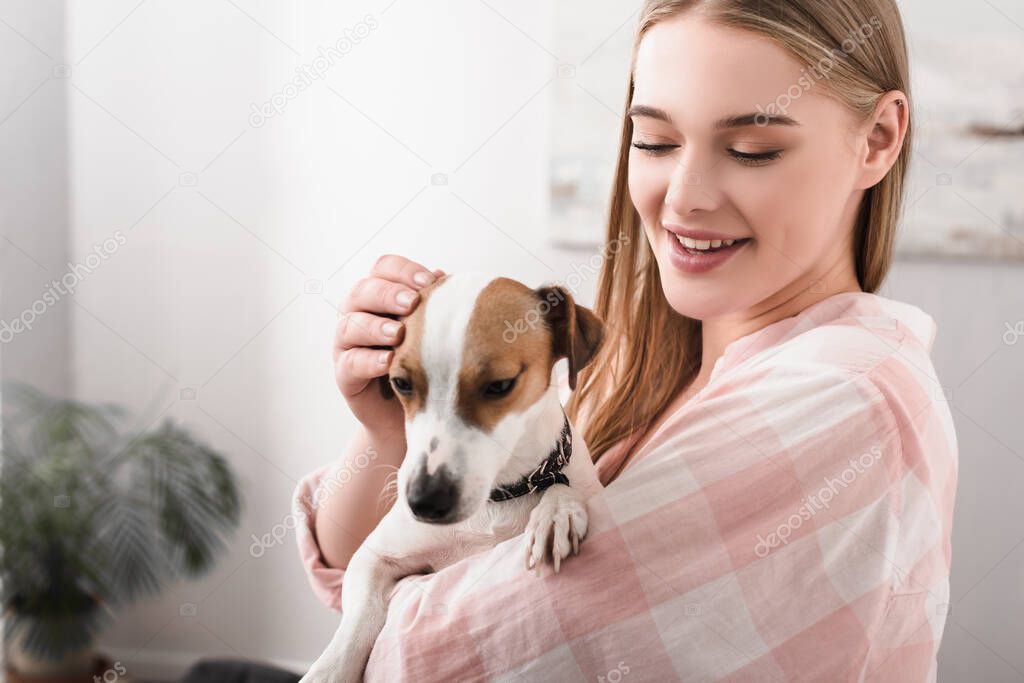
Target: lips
(701,235)
(697,251)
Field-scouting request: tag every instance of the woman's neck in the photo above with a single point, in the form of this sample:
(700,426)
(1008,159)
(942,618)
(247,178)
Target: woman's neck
(809,289)
(717,333)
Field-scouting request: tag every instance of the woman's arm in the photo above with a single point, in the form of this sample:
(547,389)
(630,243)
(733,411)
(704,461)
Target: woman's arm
(791,523)
(353,507)
(339,504)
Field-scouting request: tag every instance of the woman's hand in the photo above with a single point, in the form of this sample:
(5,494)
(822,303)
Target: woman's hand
(365,333)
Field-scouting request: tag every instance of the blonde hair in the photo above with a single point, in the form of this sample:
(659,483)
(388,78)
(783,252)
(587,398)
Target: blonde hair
(651,352)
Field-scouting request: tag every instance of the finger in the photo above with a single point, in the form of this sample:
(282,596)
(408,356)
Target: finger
(356,367)
(365,329)
(402,270)
(381,297)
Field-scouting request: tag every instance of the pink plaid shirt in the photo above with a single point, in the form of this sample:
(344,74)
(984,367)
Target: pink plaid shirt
(791,521)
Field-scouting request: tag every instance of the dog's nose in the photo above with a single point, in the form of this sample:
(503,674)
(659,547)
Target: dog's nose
(432,497)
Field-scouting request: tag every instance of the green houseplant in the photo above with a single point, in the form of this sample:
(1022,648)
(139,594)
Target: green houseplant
(92,518)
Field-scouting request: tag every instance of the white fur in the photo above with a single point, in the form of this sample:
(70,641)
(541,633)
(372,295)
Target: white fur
(401,545)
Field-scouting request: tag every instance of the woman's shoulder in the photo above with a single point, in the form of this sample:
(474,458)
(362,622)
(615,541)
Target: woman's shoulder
(853,334)
(850,358)
(853,357)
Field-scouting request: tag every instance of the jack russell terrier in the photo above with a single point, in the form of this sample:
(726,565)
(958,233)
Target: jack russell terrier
(490,453)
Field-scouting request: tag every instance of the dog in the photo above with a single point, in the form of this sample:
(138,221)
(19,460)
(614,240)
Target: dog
(490,452)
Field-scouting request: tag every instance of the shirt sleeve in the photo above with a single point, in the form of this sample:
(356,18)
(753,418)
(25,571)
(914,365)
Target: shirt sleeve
(306,498)
(760,535)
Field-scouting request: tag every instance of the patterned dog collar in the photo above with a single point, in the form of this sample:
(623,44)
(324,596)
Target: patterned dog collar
(547,473)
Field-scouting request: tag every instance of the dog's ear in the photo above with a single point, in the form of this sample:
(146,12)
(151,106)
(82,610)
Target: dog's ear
(576,332)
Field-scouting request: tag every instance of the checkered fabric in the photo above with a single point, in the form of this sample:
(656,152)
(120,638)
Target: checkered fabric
(792,521)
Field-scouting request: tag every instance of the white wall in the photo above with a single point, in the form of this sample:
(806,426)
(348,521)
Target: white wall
(209,290)
(34,196)
(228,229)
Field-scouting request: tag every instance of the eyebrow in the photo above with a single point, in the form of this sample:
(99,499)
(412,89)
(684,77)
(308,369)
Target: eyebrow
(737,121)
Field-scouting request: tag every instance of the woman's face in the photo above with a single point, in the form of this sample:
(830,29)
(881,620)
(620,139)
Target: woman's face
(784,189)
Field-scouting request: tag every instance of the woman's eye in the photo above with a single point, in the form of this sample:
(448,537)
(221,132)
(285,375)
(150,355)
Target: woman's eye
(755,158)
(499,387)
(654,150)
(401,385)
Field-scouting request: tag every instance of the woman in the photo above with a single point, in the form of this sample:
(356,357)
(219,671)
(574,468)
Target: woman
(779,467)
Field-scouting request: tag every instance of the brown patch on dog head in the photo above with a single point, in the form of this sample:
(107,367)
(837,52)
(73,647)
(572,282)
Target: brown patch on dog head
(407,363)
(512,339)
(576,332)
(501,345)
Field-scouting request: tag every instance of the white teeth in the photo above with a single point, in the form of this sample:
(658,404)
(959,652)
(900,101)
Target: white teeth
(703,245)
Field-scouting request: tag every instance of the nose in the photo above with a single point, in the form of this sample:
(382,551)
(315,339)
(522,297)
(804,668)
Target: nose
(432,497)
(689,190)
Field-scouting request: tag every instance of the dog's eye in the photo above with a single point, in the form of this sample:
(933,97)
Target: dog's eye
(499,387)
(401,385)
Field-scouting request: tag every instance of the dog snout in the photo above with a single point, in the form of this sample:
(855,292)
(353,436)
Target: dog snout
(433,497)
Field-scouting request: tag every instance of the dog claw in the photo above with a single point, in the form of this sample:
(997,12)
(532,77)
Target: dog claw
(555,529)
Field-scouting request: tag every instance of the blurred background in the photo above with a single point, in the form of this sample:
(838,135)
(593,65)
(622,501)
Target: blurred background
(209,178)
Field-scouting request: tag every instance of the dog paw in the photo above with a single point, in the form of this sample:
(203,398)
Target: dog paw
(556,526)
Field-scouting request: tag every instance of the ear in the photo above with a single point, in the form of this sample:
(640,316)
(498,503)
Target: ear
(884,136)
(576,333)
